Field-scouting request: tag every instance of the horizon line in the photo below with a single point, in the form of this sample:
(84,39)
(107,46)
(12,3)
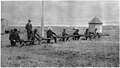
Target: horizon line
(67,25)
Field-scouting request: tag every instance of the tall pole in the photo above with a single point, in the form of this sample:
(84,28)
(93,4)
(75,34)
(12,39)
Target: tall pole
(42,19)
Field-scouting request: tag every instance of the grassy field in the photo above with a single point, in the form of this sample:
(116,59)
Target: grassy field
(103,52)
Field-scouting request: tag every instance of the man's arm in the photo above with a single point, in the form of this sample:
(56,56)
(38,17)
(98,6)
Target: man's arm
(53,33)
(26,27)
(18,36)
(66,34)
(38,35)
(10,37)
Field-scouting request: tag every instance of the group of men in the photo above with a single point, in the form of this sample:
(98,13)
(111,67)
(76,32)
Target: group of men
(32,35)
(91,35)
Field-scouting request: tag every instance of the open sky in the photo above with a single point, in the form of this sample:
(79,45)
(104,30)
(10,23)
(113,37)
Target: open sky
(60,12)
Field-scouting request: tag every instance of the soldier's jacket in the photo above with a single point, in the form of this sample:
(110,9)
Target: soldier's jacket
(86,32)
(28,27)
(14,36)
(50,33)
(76,33)
(64,33)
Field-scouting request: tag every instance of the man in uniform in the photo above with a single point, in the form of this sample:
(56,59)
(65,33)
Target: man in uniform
(51,34)
(14,37)
(64,34)
(35,36)
(96,34)
(87,34)
(76,33)
(29,29)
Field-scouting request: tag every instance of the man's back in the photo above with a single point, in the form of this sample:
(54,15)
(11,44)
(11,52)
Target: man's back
(28,26)
(14,36)
(64,33)
(50,33)
(76,33)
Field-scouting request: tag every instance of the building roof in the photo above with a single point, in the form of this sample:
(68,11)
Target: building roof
(95,20)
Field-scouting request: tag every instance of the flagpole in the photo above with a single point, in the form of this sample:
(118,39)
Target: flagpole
(42,19)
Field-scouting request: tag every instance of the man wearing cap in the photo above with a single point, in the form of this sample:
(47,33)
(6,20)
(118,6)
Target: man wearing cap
(29,29)
(14,37)
(64,34)
(51,34)
(76,33)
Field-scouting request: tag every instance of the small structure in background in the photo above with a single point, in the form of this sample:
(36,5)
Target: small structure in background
(95,23)
(4,26)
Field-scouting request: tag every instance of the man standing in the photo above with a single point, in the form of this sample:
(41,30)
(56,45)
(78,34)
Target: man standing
(51,34)
(14,37)
(64,34)
(29,29)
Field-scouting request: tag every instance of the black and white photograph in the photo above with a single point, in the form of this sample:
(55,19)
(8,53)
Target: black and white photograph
(64,33)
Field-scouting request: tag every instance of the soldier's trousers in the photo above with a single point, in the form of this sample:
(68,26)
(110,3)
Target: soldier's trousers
(76,38)
(65,39)
(13,43)
(55,39)
(29,35)
(88,37)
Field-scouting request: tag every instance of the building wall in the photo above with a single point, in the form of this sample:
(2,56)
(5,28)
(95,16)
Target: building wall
(92,27)
(4,25)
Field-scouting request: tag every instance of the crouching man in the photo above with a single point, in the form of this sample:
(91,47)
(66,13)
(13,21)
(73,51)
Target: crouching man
(14,37)
(64,34)
(96,34)
(35,36)
(51,34)
(76,33)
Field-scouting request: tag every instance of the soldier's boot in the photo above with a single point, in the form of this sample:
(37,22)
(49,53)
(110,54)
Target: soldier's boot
(48,41)
(20,41)
(55,39)
(67,39)
(78,38)
(39,42)
(32,42)
(85,37)
(63,40)
(90,37)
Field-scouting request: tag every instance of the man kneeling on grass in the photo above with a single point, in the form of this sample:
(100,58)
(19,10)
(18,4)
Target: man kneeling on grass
(14,37)
(51,34)
(64,34)
(76,33)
